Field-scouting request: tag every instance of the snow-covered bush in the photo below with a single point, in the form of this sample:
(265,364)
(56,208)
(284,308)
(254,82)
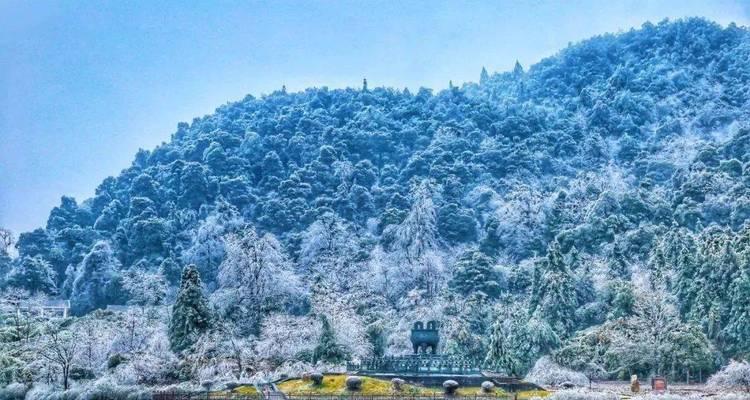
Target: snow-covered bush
(732,396)
(47,392)
(290,368)
(585,394)
(675,396)
(736,375)
(106,388)
(548,373)
(298,334)
(581,394)
(14,391)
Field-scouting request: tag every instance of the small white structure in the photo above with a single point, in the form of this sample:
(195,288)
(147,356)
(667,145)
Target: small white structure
(47,309)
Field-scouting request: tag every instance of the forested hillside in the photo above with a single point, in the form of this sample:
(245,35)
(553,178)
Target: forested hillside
(593,207)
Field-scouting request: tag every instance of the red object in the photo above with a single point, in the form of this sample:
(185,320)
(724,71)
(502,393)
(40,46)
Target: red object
(658,384)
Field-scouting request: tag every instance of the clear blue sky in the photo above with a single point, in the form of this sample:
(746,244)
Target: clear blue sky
(83,85)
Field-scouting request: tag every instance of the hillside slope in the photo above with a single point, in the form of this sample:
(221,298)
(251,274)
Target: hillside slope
(604,188)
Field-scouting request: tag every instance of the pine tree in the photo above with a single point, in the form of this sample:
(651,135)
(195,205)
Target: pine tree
(557,216)
(517,69)
(328,350)
(475,272)
(502,353)
(518,339)
(684,256)
(492,242)
(554,295)
(737,331)
(618,264)
(659,268)
(483,76)
(191,316)
(621,299)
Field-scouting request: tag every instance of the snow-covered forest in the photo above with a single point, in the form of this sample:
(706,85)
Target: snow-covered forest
(592,209)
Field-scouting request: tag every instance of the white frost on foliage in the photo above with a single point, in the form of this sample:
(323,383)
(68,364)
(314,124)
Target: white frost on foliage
(736,375)
(581,394)
(548,373)
(285,336)
(96,337)
(349,327)
(418,234)
(256,276)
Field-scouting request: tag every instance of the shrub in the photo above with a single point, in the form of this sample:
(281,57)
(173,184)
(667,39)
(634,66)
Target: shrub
(736,375)
(353,383)
(78,374)
(14,391)
(450,386)
(582,394)
(398,384)
(114,360)
(46,392)
(548,373)
(317,378)
(107,389)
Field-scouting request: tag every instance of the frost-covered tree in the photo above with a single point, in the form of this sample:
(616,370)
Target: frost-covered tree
(347,324)
(145,288)
(191,316)
(298,333)
(6,242)
(255,278)
(97,280)
(34,274)
(546,372)
(206,249)
(328,349)
(329,249)
(737,330)
(95,338)
(417,234)
(59,348)
(736,375)
(553,294)
(475,272)
(517,341)
(134,328)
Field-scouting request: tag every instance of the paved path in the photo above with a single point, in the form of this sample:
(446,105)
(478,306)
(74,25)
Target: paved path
(270,391)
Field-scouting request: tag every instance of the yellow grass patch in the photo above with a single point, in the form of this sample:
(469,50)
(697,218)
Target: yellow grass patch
(244,390)
(334,385)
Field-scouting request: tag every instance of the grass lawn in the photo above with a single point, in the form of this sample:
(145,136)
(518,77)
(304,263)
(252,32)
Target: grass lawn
(244,390)
(462,391)
(335,385)
(528,394)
